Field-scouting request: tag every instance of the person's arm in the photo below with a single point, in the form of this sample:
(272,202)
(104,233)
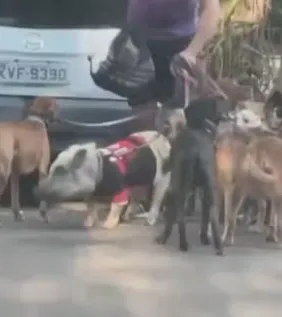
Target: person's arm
(206,29)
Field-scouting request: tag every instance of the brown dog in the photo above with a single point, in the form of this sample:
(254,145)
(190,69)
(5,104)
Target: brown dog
(24,148)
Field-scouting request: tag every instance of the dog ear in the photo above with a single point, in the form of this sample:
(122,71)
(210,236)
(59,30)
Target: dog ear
(50,104)
(52,109)
(78,159)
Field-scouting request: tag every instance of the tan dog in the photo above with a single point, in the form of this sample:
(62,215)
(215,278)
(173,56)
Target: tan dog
(230,151)
(249,167)
(24,148)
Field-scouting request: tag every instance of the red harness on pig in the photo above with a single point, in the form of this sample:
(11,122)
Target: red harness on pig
(121,152)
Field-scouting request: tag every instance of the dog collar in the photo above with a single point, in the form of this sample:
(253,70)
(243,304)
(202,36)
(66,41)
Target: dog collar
(36,119)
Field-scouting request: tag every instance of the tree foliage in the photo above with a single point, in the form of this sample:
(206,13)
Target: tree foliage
(241,41)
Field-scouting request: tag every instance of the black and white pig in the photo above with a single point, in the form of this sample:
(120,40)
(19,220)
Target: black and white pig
(87,172)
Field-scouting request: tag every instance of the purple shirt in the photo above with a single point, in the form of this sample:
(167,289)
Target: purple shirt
(164,18)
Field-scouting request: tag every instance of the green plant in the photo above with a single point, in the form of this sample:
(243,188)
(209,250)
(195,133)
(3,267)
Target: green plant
(227,55)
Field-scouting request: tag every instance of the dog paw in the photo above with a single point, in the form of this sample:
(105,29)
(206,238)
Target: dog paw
(150,223)
(160,239)
(271,238)
(19,215)
(44,217)
(183,246)
(255,229)
(228,242)
(219,252)
(205,240)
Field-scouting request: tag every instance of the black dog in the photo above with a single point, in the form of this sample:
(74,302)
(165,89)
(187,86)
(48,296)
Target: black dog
(192,164)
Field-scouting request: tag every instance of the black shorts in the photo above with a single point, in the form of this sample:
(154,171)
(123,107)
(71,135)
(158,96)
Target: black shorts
(162,53)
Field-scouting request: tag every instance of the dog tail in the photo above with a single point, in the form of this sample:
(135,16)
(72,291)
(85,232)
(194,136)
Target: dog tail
(260,173)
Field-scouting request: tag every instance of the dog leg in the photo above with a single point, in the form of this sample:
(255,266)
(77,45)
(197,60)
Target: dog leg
(273,225)
(190,202)
(158,195)
(183,243)
(3,183)
(134,208)
(43,209)
(91,214)
(227,211)
(180,184)
(170,216)
(43,172)
(250,209)
(278,231)
(15,195)
(207,164)
(268,209)
(258,227)
(114,215)
(233,220)
(210,215)
(205,219)
(185,185)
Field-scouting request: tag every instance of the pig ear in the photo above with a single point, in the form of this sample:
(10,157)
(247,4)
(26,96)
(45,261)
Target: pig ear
(59,170)
(78,159)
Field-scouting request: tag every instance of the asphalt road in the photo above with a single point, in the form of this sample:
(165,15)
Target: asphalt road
(61,269)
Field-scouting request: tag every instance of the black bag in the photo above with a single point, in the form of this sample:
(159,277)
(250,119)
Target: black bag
(128,70)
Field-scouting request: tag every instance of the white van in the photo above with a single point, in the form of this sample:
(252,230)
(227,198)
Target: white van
(44,46)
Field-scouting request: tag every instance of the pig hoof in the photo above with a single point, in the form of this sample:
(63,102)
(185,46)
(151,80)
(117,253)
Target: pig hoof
(228,242)
(127,217)
(19,215)
(89,223)
(110,223)
(151,220)
(255,229)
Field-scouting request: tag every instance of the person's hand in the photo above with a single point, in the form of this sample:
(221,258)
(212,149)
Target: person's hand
(188,56)
(179,69)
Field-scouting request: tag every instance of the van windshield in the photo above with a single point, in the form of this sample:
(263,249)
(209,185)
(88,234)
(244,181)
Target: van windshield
(62,13)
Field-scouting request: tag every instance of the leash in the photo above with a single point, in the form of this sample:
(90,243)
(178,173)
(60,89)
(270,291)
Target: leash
(116,122)
(104,124)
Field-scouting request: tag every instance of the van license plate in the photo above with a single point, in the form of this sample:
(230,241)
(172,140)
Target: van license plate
(31,72)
